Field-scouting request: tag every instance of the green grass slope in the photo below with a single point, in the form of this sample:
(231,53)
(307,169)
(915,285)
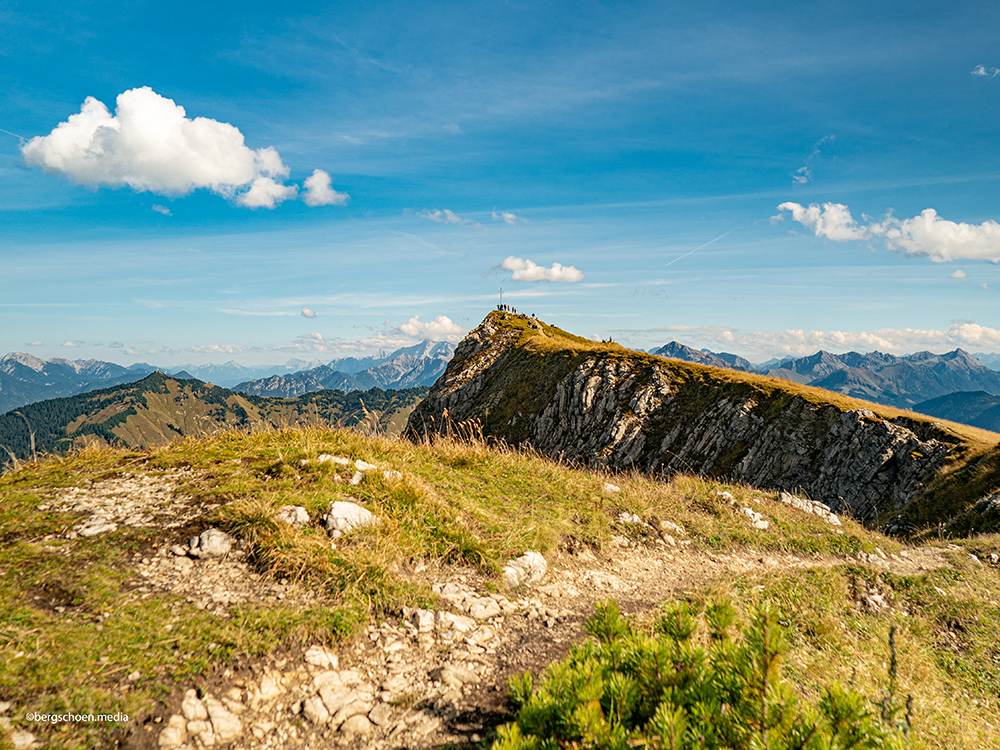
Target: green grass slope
(73,625)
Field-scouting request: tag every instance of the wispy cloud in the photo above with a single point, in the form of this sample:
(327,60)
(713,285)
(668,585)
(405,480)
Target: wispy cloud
(34,343)
(508,217)
(444,217)
(981,71)
(802,175)
(526,270)
(162,210)
(258,313)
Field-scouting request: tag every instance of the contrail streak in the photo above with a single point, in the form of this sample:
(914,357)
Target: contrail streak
(13,134)
(700,247)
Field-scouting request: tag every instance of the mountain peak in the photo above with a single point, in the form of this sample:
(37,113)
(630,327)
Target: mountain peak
(22,358)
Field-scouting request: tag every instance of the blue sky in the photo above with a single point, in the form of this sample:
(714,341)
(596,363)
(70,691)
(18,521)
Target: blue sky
(465,146)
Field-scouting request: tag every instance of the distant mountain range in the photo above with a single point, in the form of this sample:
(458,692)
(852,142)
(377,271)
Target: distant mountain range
(25,379)
(903,382)
(410,367)
(976,408)
(160,409)
(677,350)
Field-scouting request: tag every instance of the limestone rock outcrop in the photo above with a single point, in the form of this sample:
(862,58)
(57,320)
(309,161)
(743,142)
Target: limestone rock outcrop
(605,406)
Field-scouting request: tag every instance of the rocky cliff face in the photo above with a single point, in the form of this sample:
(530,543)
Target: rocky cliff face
(599,404)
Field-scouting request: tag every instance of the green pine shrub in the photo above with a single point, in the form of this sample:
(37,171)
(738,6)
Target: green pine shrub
(692,683)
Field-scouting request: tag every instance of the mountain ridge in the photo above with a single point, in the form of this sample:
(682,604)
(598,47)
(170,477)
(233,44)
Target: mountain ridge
(26,379)
(528,383)
(900,381)
(161,408)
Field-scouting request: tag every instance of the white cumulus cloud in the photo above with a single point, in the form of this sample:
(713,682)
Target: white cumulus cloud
(439,329)
(926,235)
(150,144)
(266,193)
(959,274)
(319,191)
(307,313)
(940,240)
(831,220)
(525,270)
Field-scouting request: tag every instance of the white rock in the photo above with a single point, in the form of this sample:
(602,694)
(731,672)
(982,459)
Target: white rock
(350,677)
(397,683)
(314,709)
(364,466)
(454,675)
(330,677)
(214,543)
(453,593)
(392,475)
(809,506)
(994,558)
(326,458)
(174,734)
(294,515)
(202,731)
(322,657)
(270,687)
(630,518)
(22,740)
(612,488)
(335,697)
(671,526)
(756,519)
(527,569)
(483,609)
(225,723)
(449,621)
(192,708)
(96,526)
(381,715)
(357,724)
(727,496)
(343,517)
(423,620)
(356,479)
(480,637)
